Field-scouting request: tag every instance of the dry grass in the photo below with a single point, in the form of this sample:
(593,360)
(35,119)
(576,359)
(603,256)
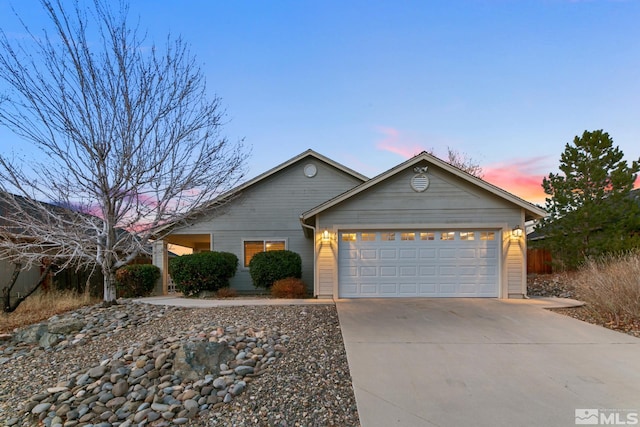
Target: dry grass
(41,306)
(611,290)
(226,293)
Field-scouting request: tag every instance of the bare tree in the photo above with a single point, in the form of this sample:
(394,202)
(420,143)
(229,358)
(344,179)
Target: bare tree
(125,135)
(462,161)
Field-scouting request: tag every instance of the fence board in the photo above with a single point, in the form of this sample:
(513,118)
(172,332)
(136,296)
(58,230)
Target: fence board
(538,261)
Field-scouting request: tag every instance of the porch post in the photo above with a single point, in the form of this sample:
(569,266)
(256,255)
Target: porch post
(161,260)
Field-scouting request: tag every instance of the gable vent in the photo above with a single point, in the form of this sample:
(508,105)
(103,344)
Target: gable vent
(420,182)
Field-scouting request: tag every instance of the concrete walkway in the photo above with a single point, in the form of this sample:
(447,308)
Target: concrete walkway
(178,301)
(485,362)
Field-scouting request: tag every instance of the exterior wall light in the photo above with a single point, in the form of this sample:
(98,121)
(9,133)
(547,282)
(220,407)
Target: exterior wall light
(517,231)
(326,236)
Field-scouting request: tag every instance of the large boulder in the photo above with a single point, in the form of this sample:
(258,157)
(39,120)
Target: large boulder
(31,334)
(65,326)
(194,360)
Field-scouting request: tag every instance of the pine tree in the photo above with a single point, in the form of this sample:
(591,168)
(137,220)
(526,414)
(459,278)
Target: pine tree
(590,209)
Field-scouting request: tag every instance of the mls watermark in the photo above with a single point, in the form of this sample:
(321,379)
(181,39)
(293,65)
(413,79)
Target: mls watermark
(608,417)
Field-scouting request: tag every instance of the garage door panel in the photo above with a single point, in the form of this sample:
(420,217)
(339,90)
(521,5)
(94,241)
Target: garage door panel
(467,253)
(447,289)
(427,253)
(388,254)
(388,289)
(369,254)
(468,271)
(428,289)
(406,254)
(349,288)
(410,271)
(447,271)
(408,289)
(350,271)
(369,289)
(388,271)
(488,253)
(369,271)
(467,288)
(447,253)
(381,267)
(349,253)
(427,271)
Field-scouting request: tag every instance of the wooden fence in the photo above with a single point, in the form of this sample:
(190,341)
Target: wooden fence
(538,261)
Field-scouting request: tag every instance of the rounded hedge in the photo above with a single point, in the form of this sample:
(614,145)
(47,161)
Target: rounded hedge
(204,271)
(266,268)
(136,280)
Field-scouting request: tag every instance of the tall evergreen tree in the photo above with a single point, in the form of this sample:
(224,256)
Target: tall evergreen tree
(590,209)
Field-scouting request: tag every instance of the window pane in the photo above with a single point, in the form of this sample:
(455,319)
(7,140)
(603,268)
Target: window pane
(388,236)
(467,235)
(448,235)
(487,235)
(407,236)
(250,249)
(348,237)
(427,236)
(275,245)
(368,237)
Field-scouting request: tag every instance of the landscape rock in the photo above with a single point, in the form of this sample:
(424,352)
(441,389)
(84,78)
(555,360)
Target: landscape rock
(48,340)
(197,359)
(123,368)
(31,334)
(65,326)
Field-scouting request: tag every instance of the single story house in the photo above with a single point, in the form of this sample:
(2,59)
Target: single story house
(421,229)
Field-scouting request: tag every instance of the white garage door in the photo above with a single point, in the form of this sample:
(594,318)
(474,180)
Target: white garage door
(449,263)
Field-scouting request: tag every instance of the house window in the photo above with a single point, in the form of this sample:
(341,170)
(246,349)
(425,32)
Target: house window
(252,247)
(427,236)
(368,237)
(388,237)
(348,237)
(487,235)
(467,235)
(407,236)
(448,235)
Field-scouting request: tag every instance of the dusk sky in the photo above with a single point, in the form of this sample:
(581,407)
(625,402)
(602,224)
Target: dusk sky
(371,83)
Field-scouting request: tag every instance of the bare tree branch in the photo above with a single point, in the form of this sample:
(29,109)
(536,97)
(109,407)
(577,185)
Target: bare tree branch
(129,139)
(462,161)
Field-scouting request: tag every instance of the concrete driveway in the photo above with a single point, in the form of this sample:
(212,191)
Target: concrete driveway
(485,362)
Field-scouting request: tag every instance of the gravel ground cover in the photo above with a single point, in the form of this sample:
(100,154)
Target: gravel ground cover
(305,383)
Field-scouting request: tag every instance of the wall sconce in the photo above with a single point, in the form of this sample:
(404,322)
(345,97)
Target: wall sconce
(516,232)
(326,236)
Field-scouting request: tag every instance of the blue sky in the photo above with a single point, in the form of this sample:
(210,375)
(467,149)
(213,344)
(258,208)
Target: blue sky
(370,83)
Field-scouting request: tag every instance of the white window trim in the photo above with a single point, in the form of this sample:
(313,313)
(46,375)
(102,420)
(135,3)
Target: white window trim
(264,240)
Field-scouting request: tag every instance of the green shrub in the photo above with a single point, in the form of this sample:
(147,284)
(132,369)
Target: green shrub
(205,271)
(288,288)
(136,280)
(267,267)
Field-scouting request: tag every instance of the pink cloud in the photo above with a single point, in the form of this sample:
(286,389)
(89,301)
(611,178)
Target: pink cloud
(522,177)
(396,142)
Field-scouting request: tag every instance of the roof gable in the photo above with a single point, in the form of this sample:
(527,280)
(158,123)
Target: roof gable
(301,156)
(531,211)
(222,201)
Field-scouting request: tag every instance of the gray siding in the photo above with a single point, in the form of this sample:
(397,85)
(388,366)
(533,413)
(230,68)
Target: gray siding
(449,201)
(271,208)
